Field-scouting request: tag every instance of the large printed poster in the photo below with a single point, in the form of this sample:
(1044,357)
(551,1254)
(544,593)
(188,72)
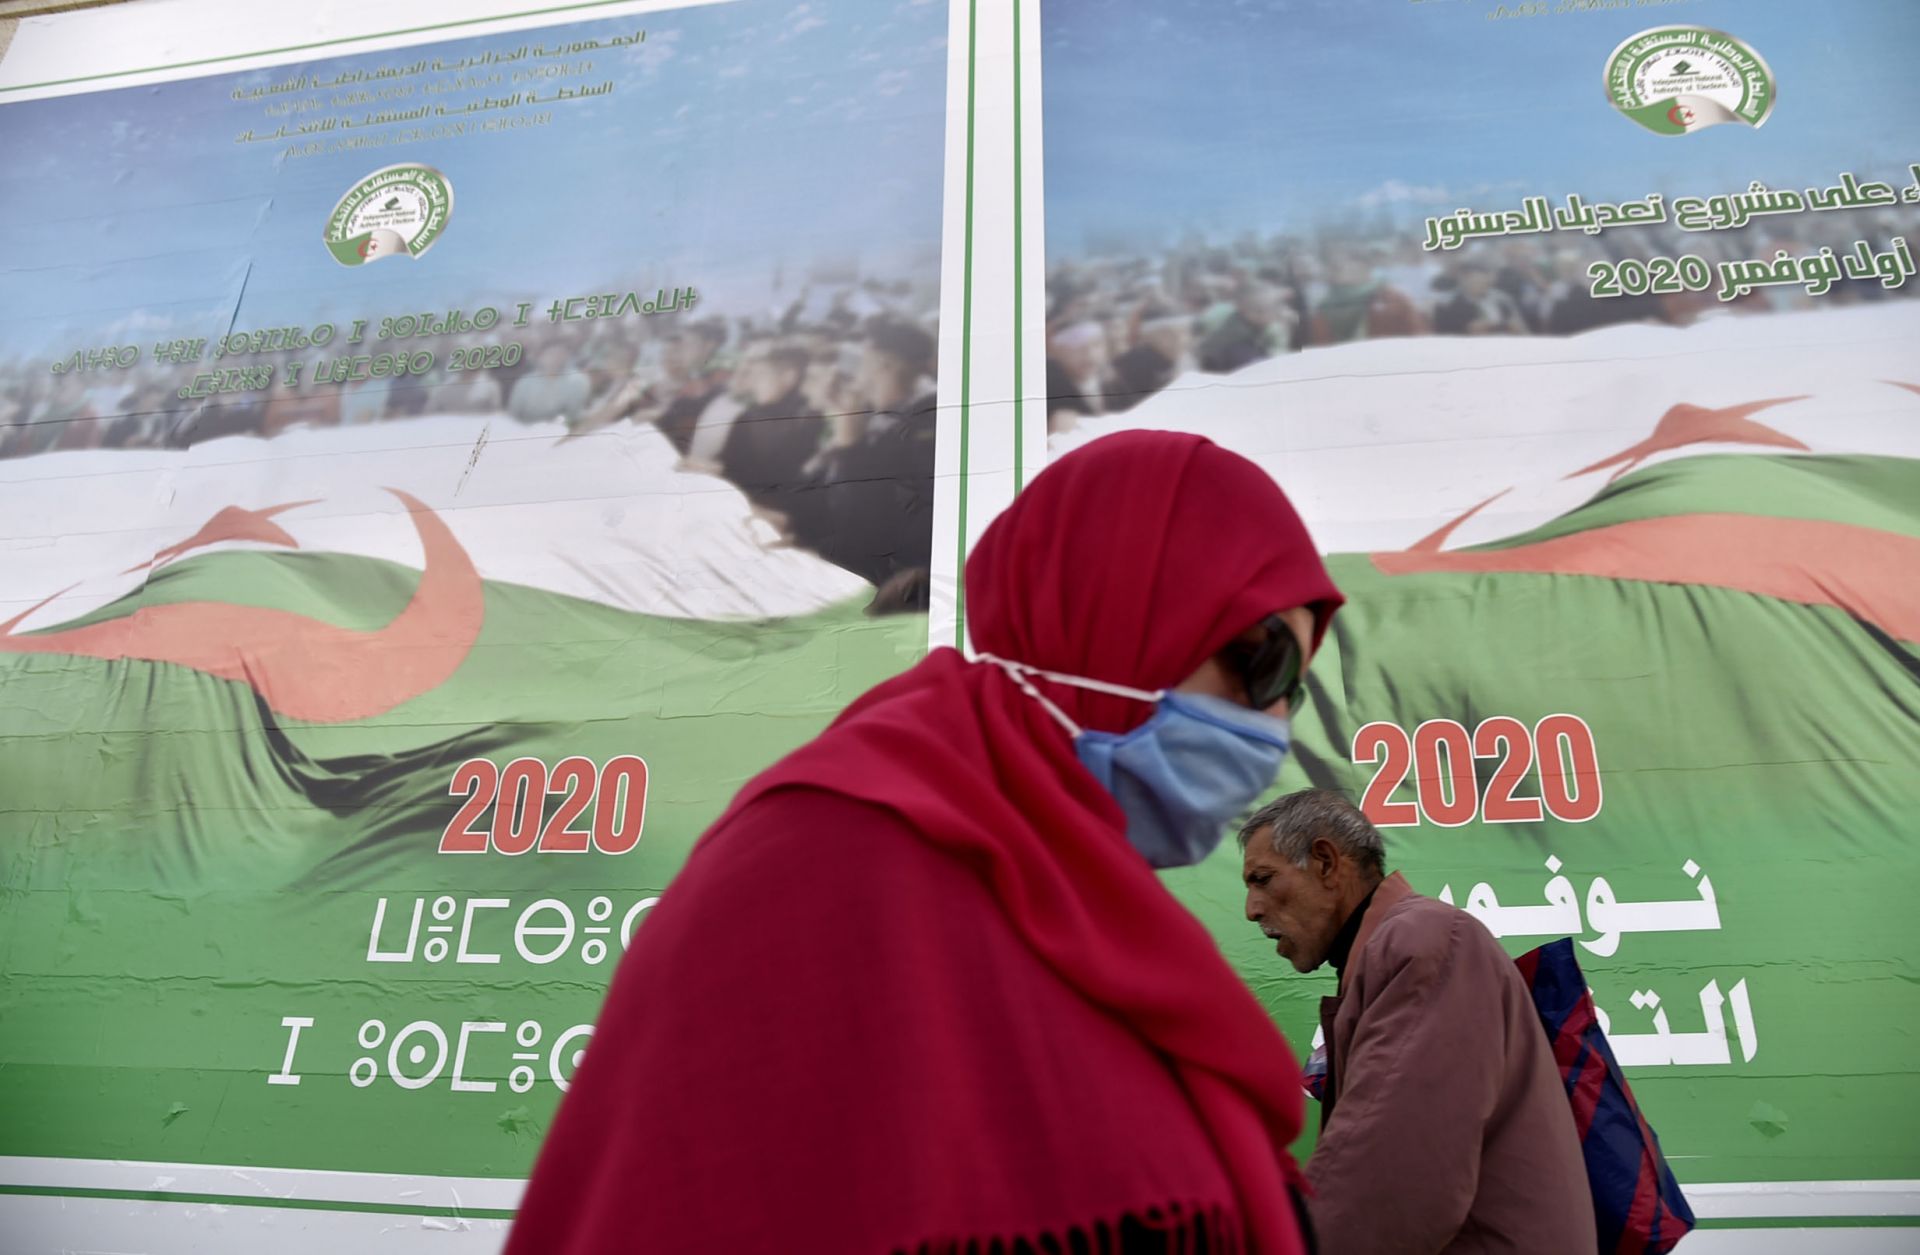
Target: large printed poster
(435,474)
(432,480)
(1585,337)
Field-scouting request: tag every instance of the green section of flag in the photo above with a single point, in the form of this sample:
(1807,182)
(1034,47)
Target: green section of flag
(358,593)
(181,870)
(264,802)
(347,252)
(1656,117)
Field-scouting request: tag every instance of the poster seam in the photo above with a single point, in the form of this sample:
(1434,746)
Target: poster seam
(966,334)
(1019,373)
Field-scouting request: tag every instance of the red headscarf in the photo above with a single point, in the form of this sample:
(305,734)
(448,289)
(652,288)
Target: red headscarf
(1131,560)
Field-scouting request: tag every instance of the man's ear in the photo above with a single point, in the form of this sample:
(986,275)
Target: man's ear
(1323,859)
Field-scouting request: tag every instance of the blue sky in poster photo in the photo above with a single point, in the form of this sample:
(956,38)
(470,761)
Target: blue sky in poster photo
(742,142)
(1231,115)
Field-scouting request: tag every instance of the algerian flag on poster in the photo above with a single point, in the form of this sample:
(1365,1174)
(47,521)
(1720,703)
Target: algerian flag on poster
(275,711)
(1630,654)
(1678,115)
(1382,442)
(367,246)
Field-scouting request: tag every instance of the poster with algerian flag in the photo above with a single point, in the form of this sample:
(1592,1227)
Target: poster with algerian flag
(1621,478)
(1688,555)
(375,641)
(236,742)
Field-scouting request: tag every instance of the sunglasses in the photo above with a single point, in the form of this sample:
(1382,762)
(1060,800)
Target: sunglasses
(1272,669)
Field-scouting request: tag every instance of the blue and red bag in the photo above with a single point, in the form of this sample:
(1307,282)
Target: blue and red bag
(1314,1074)
(1636,1201)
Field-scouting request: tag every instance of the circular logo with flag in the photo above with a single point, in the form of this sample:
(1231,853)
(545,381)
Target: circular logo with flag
(399,210)
(1675,80)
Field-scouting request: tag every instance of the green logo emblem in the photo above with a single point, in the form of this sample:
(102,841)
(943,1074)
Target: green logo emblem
(1675,80)
(399,210)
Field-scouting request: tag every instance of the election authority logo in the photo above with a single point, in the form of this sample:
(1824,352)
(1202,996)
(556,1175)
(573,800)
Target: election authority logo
(399,210)
(1675,80)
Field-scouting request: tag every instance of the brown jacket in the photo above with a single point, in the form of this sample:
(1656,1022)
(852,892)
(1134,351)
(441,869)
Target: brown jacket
(1447,1127)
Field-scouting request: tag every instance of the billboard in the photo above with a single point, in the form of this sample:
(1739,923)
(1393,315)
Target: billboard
(434,478)
(447,449)
(1584,336)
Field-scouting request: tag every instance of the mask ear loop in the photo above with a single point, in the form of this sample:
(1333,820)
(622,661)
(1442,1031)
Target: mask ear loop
(1019,671)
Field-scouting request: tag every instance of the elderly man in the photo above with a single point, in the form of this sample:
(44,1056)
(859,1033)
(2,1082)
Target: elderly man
(1444,1125)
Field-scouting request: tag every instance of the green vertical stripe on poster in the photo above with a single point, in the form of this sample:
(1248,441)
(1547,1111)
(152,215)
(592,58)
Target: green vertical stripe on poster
(966,340)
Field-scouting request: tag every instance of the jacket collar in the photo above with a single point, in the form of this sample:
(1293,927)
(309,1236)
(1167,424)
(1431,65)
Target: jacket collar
(1391,892)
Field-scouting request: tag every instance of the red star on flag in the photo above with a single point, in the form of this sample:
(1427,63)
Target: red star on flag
(1693,424)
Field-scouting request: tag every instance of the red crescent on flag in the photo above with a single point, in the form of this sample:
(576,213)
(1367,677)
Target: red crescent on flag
(1679,115)
(1862,570)
(304,668)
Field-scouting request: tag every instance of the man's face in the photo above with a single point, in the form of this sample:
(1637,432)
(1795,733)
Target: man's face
(773,380)
(1297,907)
(1476,283)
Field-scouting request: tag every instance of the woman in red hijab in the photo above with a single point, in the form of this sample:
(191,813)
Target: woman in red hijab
(920,989)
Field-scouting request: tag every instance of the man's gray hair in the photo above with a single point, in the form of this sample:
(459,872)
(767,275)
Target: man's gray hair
(1292,822)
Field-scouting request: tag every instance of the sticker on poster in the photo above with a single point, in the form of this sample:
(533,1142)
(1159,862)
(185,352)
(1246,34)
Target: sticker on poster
(395,211)
(1675,80)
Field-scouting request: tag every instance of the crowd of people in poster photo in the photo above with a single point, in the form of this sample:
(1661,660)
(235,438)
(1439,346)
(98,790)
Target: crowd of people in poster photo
(821,411)
(1124,321)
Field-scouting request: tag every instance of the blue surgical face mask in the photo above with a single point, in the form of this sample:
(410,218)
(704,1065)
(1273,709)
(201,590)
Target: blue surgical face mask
(1181,776)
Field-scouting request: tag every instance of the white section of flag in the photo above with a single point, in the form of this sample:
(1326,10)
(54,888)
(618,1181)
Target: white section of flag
(1381,442)
(610,517)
